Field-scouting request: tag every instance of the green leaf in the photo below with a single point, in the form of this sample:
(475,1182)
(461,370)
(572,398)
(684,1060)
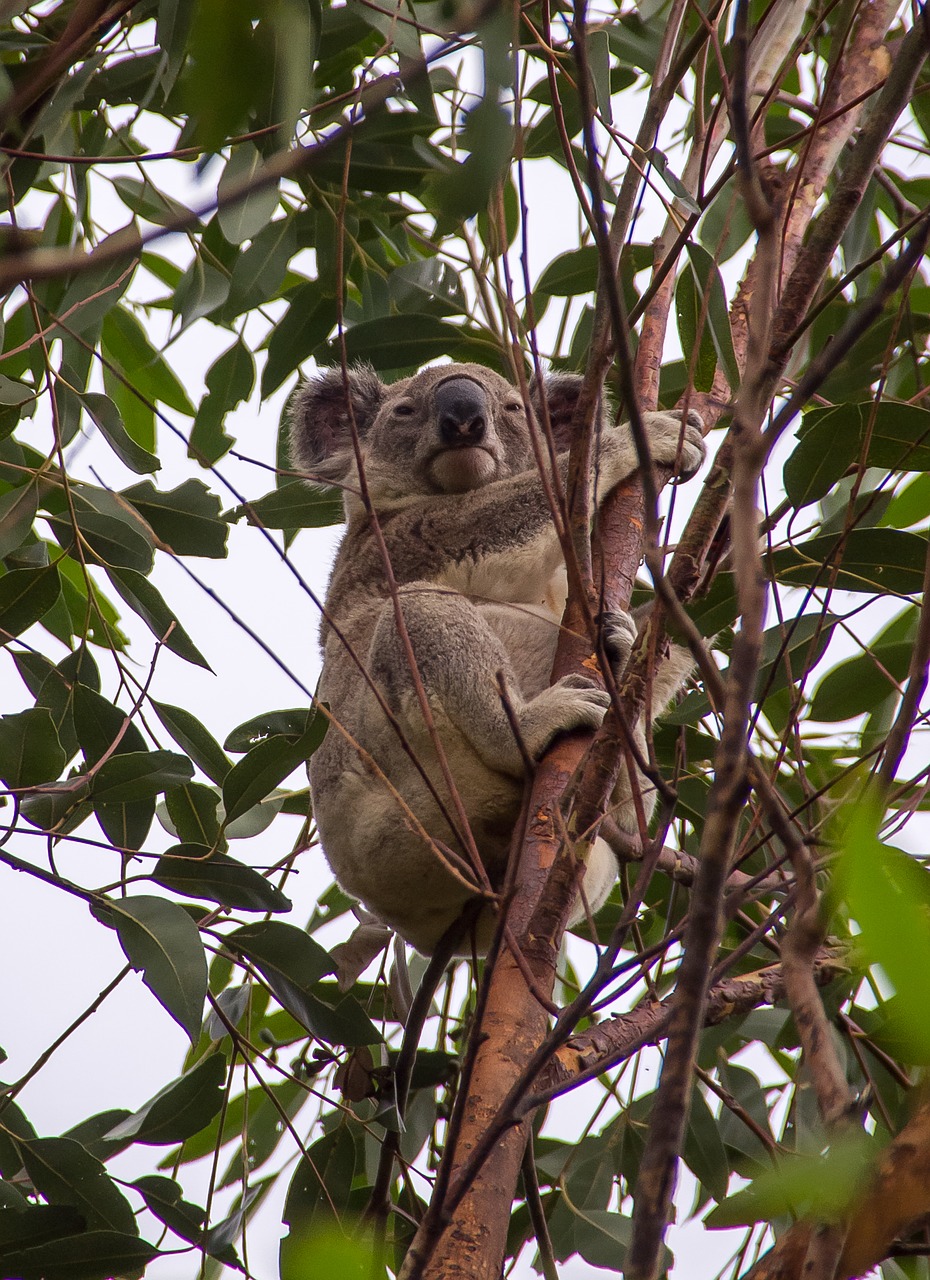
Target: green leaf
(321,1181)
(888,894)
(13,392)
(467,187)
(146,201)
(884,561)
(258,272)
(713,299)
(571,273)
(127,345)
(659,162)
(17,512)
(895,437)
(300,331)
(110,425)
(195,871)
(859,684)
(201,289)
(704,1152)
(109,541)
(267,765)
(138,775)
(400,342)
(90,1255)
(694,332)
(910,505)
(162,941)
(194,740)
(599,61)
(163,1197)
(291,967)
(91,1133)
(820,1186)
(25,595)
(65,1173)
(179,1110)
(186,518)
(23,1225)
(296,505)
(147,601)
(30,750)
(229,380)
(193,813)
(97,723)
(279,948)
(247,217)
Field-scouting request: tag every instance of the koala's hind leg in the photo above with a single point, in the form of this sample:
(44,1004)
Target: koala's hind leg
(458,657)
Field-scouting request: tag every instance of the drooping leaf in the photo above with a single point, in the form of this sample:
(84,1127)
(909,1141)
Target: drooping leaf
(137,775)
(888,894)
(195,871)
(571,273)
(291,968)
(147,601)
(893,436)
(163,1197)
(162,941)
(180,1109)
(106,418)
(321,1180)
(17,512)
(65,1173)
(247,217)
(89,1255)
(30,750)
(194,739)
(25,595)
(192,814)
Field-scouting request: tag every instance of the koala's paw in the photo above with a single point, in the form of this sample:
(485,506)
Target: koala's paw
(574,702)
(619,630)
(682,449)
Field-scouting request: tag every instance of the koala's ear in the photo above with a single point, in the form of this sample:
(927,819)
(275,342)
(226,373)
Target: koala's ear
(321,415)
(559,392)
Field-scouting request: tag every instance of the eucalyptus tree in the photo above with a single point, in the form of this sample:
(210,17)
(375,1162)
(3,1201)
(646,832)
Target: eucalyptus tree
(722,207)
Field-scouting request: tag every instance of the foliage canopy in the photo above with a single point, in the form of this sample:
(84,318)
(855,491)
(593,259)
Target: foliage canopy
(723,207)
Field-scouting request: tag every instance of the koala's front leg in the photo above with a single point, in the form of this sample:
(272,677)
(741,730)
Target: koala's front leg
(458,658)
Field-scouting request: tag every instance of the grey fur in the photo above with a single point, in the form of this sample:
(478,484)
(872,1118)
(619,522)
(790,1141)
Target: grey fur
(451,472)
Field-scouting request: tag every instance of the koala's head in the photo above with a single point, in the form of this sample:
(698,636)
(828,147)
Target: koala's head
(445,430)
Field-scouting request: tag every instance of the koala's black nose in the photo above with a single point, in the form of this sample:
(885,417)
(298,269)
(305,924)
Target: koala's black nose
(462,411)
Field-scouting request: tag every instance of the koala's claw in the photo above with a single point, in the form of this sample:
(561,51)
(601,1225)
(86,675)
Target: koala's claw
(675,444)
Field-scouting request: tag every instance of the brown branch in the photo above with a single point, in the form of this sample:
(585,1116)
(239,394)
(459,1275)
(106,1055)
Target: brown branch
(668,1121)
(610,1042)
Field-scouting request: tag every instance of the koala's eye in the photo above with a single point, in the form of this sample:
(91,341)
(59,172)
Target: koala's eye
(402,410)
(513,406)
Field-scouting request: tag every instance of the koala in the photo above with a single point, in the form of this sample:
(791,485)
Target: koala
(448,465)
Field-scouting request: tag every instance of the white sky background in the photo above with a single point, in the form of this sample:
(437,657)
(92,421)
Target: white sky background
(56,958)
